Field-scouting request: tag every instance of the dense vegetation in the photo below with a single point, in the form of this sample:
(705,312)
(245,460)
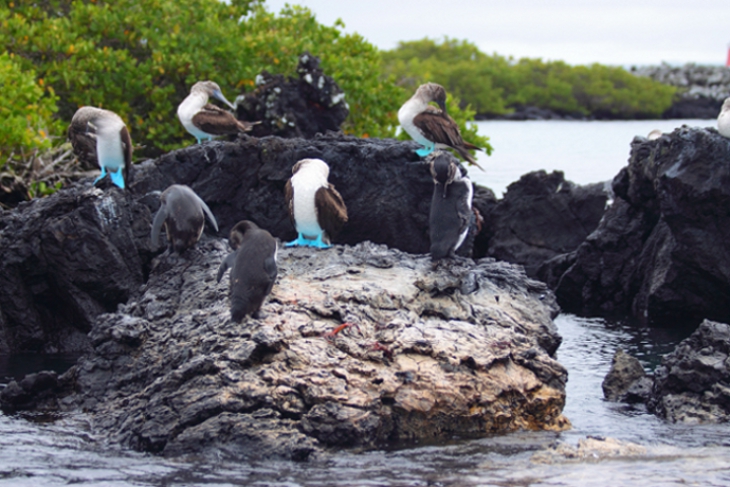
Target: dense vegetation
(495,85)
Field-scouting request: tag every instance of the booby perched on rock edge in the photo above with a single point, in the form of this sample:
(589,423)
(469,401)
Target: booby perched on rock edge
(205,121)
(451,210)
(253,269)
(433,127)
(723,120)
(315,207)
(182,212)
(100,134)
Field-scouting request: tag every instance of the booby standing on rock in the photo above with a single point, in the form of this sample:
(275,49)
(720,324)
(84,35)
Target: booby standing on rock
(451,211)
(315,207)
(99,133)
(253,268)
(433,127)
(182,212)
(205,121)
(723,120)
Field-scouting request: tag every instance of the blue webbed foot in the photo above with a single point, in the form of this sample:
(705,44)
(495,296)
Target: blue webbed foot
(299,242)
(424,151)
(118,178)
(319,243)
(101,176)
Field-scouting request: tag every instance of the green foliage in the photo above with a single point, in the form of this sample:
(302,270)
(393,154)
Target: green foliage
(40,188)
(26,111)
(139,58)
(495,84)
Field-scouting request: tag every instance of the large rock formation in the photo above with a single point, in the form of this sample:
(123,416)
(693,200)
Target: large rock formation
(460,348)
(660,251)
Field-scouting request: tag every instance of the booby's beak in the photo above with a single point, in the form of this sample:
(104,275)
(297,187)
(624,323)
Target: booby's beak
(217,94)
(442,106)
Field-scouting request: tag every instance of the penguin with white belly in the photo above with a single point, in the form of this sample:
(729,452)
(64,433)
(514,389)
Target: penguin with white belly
(253,269)
(315,207)
(451,206)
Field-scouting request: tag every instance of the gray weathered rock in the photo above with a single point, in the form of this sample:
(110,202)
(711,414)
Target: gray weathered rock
(625,371)
(691,385)
(460,348)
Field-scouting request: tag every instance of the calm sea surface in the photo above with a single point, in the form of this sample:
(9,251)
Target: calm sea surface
(41,451)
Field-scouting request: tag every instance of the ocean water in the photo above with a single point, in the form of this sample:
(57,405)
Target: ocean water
(38,450)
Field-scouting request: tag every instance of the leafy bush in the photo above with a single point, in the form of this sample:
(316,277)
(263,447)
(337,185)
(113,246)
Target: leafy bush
(494,85)
(26,109)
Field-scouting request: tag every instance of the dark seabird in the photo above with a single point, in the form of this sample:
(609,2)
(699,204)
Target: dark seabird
(315,207)
(101,135)
(451,211)
(205,121)
(182,212)
(433,127)
(253,269)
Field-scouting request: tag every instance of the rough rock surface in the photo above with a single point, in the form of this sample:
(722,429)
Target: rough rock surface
(625,372)
(691,385)
(459,348)
(660,251)
(296,107)
(592,448)
(541,216)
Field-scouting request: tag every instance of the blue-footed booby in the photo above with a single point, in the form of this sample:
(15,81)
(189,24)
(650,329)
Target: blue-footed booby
(205,121)
(100,134)
(432,127)
(451,210)
(182,212)
(723,120)
(253,268)
(315,207)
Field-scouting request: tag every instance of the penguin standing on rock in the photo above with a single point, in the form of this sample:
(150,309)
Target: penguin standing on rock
(253,269)
(451,211)
(315,207)
(182,212)
(723,120)
(204,120)
(101,135)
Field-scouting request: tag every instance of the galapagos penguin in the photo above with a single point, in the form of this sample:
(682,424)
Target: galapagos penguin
(723,120)
(433,127)
(182,212)
(205,121)
(451,210)
(100,136)
(253,269)
(315,207)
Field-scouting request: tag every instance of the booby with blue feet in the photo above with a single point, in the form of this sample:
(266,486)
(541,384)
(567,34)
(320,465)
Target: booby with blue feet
(100,134)
(315,207)
(182,212)
(253,269)
(432,127)
(205,121)
(451,206)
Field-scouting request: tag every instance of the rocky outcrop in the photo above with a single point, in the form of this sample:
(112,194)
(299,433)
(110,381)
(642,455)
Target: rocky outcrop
(660,251)
(295,107)
(541,216)
(426,352)
(626,381)
(702,88)
(691,385)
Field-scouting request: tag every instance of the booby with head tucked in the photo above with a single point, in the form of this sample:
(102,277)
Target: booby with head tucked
(100,134)
(315,207)
(205,121)
(253,269)
(432,127)
(451,210)
(182,212)
(723,120)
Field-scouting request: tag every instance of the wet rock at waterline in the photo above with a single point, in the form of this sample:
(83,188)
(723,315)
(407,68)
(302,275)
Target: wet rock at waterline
(427,352)
(660,251)
(621,382)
